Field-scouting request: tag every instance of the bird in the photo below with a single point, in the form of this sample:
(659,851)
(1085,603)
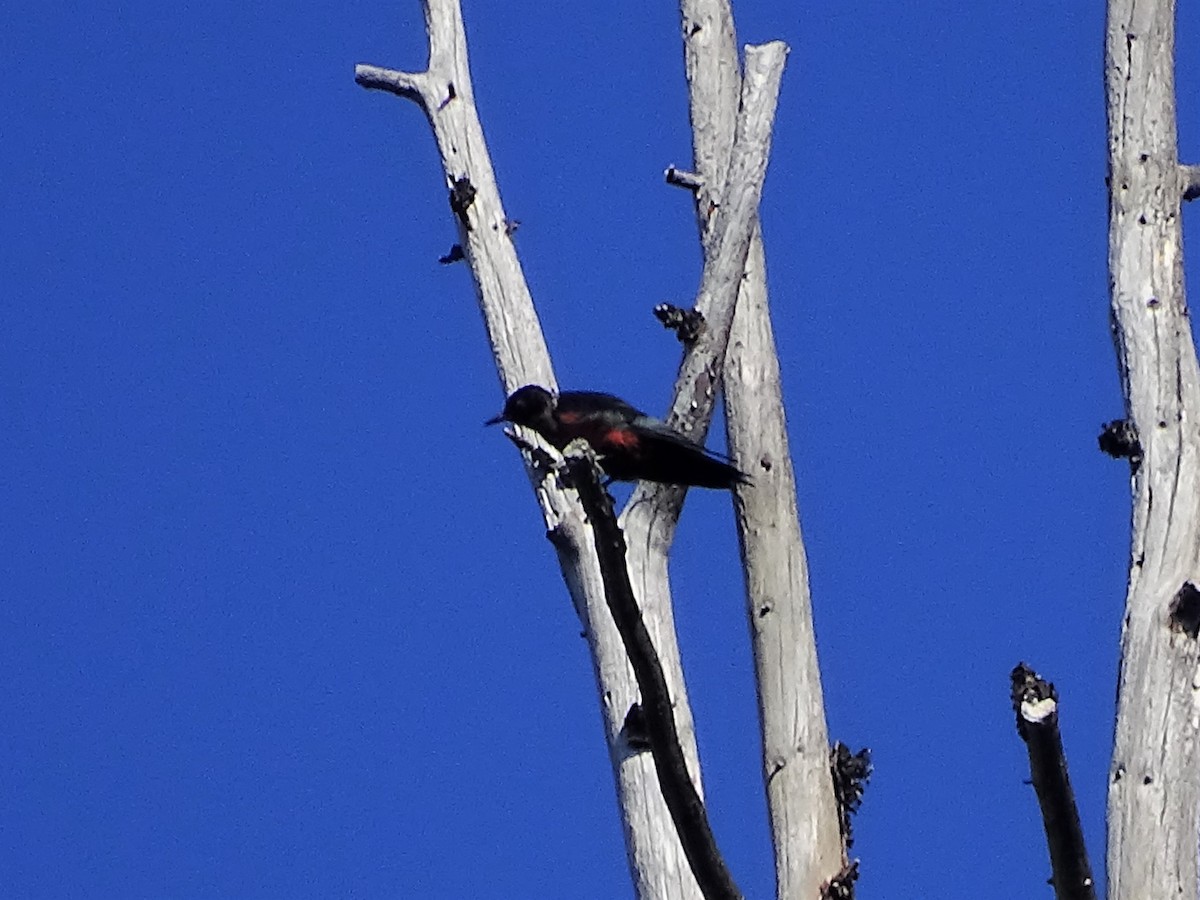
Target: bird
(632,446)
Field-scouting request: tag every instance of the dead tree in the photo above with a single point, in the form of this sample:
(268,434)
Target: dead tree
(1154,782)
(732,110)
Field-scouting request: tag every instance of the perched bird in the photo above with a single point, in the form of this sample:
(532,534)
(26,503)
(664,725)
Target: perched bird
(631,445)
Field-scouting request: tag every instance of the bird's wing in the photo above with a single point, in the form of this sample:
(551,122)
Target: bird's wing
(598,402)
(661,429)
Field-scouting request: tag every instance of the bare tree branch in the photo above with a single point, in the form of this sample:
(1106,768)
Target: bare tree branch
(1036,704)
(1154,787)
(696,384)
(658,717)
(809,851)
(444,93)
(651,514)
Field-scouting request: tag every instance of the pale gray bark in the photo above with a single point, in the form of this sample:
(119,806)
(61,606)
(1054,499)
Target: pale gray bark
(1154,788)
(650,517)
(795,749)
(445,95)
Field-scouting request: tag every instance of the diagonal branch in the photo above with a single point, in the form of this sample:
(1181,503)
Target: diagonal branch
(683,801)
(444,93)
(698,379)
(1036,704)
(652,512)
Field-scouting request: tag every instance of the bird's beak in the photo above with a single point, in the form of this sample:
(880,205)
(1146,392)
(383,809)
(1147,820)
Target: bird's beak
(495,420)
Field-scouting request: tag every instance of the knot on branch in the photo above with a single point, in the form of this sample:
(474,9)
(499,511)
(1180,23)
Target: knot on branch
(1119,439)
(1191,182)
(462,195)
(1185,610)
(688,324)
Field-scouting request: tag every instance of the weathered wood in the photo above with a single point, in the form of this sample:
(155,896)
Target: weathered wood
(657,711)
(444,93)
(795,744)
(1154,786)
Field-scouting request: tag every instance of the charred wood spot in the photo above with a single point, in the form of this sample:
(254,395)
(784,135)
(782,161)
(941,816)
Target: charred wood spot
(1185,610)
(851,771)
(677,177)
(455,254)
(1119,439)
(1031,690)
(633,729)
(462,195)
(841,886)
(688,324)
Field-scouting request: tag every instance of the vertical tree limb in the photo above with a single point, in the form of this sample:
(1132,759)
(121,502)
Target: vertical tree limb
(1154,787)
(651,514)
(799,788)
(650,517)
(734,222)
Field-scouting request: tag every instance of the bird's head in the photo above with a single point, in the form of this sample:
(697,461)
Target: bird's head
(531,406)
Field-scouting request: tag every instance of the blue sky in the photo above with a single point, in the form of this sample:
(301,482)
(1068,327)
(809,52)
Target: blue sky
(277,616)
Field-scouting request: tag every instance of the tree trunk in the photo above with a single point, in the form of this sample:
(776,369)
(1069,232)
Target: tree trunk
(1154,786)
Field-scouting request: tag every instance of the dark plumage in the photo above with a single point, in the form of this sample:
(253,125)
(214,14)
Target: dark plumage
(632,445)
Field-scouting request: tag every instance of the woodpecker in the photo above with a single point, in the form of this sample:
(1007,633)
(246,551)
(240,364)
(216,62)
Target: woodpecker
(631,445)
